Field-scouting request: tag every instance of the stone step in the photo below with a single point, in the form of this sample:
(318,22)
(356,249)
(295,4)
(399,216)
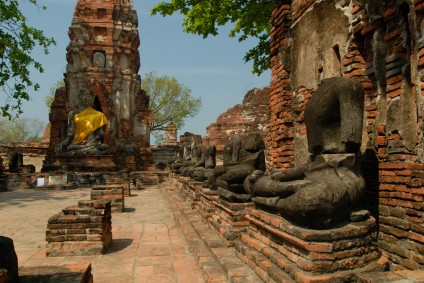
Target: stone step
(222,260)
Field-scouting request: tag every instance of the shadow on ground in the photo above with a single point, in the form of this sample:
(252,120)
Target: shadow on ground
(119,245)
(25,196)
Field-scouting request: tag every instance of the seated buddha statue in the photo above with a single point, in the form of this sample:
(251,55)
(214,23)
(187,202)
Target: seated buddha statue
(86,128)
(323,192)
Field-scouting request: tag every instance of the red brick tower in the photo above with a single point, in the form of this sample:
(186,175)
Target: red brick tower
(103,56)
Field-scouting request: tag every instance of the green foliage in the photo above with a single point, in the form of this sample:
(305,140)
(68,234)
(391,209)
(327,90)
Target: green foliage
(48,99)
(21,130)
(170,101)
(250,17)
(17,40)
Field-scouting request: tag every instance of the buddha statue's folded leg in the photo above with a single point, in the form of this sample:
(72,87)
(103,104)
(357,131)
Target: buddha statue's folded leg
(268,192)
(211,182)
(316,205)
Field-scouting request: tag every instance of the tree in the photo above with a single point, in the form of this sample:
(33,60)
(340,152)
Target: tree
(170,101)
(250,17)
(17,40)
(21,130)
(48,99)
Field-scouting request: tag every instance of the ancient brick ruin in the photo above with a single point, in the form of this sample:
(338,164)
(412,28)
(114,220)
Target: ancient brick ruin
(380,44)
(103,57)
(242,119)
(85,229)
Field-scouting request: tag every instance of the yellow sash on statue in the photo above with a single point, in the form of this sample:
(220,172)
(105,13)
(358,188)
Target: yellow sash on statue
(86,122)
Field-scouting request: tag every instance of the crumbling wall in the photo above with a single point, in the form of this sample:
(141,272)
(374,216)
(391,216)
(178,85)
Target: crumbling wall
(250,116)
(380,44)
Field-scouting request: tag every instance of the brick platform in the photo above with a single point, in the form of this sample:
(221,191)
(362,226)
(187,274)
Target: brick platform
(217,261)
(206,206)
(85,229)
(69,273)
(194,192)
(181,186)
(279,250)
(113,193)
(125,182)
(229,219)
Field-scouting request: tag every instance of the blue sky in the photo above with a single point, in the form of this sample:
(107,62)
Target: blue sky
(212,68)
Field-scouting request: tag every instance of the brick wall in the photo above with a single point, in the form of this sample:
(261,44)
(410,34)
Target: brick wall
(383,48)
(250,116)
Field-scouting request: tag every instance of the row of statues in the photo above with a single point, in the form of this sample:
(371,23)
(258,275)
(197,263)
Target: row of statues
(321,193)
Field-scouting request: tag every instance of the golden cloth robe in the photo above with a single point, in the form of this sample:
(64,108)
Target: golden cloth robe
(86,122)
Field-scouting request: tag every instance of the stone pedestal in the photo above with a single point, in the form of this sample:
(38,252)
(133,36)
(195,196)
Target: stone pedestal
(230,221)
(112,193)
(85,229)
(206,206)
(80,163)
(281,251)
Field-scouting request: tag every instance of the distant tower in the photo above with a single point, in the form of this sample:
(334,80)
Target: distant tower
(103,56)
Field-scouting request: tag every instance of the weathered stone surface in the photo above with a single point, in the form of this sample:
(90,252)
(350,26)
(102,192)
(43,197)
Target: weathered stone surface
(243,119)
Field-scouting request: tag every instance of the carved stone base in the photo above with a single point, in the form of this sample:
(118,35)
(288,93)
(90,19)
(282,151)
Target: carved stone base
(206,206)
(230,221)
(80,163)
(281,251)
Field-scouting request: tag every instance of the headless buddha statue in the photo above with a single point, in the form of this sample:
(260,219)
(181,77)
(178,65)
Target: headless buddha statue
(86,128)
(321,193)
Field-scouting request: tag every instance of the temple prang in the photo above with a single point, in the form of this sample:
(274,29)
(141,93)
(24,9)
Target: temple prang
(102,56)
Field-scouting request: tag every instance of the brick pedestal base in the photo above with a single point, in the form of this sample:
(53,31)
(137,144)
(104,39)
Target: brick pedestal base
(182,186)
(229,219)
(124,182)
(85,229)
(281,251)
(80,163)
(206,206)
(112,193)
(193,193)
